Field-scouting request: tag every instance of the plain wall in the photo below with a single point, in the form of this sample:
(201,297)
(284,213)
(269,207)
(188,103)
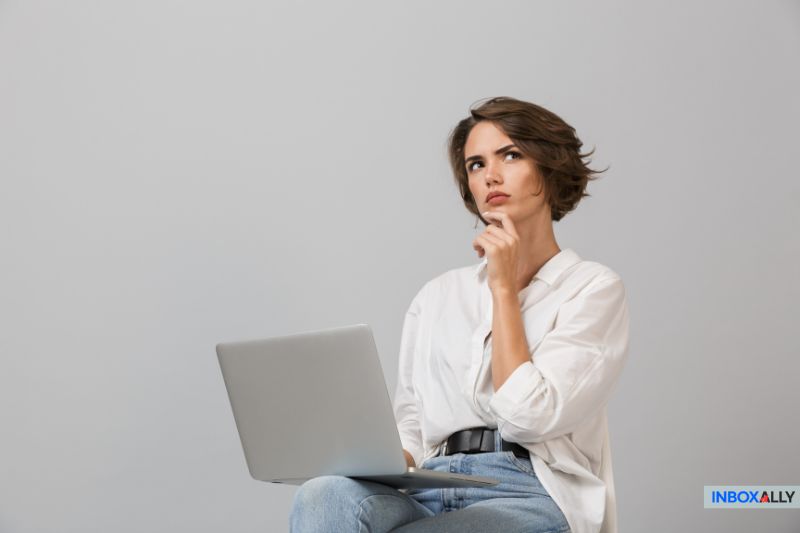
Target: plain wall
(177,174)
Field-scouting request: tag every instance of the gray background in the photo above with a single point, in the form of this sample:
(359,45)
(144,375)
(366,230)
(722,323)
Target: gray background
(175,174)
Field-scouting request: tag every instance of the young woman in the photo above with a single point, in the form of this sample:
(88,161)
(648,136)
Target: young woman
(506,366)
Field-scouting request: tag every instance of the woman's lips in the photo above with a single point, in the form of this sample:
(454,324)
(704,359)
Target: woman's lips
(499,199)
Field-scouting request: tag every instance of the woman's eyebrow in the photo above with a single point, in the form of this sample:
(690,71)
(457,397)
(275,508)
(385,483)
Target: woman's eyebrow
(496,152)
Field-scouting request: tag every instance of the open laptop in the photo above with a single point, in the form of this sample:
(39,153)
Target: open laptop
(317,403)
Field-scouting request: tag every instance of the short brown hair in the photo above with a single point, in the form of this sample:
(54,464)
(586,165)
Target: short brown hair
(541,135)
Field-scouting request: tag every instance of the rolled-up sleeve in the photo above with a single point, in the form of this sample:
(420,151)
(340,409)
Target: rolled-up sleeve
(406,411)
(574,368)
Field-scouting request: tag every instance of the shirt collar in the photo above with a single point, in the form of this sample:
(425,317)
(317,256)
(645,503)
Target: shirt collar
(550,271)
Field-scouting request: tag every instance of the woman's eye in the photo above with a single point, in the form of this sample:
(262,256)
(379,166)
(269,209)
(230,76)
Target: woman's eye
(469,167)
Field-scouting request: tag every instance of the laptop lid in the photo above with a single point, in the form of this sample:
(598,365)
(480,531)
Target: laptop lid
(311,404)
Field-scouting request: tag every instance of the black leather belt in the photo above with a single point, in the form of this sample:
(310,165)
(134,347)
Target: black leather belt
(478,440)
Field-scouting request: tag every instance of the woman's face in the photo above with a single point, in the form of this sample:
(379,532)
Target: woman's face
(509,171)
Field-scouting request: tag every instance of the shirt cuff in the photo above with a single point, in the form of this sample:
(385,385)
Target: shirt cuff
(515,390)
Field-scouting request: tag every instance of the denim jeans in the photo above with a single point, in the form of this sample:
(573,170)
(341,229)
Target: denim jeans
(518,503)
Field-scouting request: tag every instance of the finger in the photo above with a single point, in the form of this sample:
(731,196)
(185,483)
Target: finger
(501,233)
(504,220)
(493,219)
(495,241)
(488,245)
(477,245)
(499,242)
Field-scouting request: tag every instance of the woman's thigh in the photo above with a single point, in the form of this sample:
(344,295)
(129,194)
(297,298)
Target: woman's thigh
(519,503)
(341,504)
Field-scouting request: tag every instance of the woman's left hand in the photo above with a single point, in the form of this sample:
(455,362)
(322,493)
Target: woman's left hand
(500,241)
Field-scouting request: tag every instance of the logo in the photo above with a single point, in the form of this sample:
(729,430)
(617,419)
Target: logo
(751,497)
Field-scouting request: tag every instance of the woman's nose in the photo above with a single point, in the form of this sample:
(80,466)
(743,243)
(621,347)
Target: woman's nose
(493,177)
(492,174)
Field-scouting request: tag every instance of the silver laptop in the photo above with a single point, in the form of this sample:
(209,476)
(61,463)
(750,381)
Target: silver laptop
(317,403)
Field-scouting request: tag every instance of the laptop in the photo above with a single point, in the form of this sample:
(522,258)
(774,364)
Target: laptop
(316,403)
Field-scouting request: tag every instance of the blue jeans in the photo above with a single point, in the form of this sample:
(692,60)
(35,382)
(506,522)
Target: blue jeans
(518,503)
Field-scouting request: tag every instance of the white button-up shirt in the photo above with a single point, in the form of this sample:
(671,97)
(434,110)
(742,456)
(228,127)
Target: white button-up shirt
(575,317)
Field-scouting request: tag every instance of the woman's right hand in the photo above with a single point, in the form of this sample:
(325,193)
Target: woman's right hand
(409,459)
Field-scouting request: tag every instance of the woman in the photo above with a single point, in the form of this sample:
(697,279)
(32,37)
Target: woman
(505,367)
